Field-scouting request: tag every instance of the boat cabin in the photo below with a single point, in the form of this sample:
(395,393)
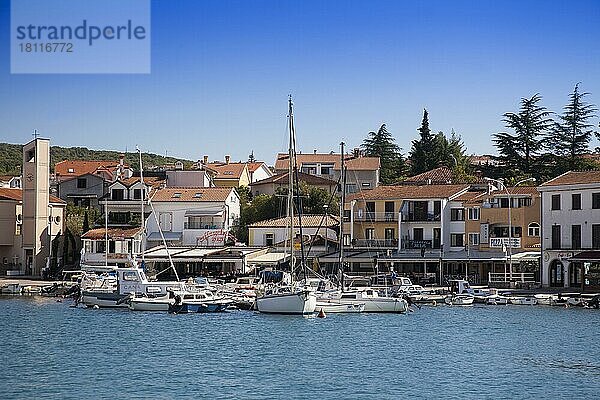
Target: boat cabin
(459,286)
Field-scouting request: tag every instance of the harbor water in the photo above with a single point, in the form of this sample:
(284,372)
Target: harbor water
(52,351)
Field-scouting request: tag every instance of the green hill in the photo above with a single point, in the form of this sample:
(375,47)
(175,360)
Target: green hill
(11,157)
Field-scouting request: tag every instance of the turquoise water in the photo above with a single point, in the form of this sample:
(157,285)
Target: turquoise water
(52,351)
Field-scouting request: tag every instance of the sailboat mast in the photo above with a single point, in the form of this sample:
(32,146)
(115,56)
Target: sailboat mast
(142,200)
(290,194)
(342,201)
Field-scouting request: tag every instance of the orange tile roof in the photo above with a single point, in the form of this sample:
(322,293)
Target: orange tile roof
(17,194)
(191,194)
(82,167)
(574,178)
(308,221)
(253,166)
(436,175)
(469,195)
(409,192)
(113,233)
(353,164)
(227,171)
(153,181)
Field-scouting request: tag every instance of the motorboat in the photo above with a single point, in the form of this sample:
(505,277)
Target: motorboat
(460,299)
(496,299)
(481,295)
(202,302)
(150,303)
(369,297)
(11,288)
(523,300)
(551,299)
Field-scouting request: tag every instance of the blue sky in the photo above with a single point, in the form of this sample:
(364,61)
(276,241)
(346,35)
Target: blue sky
(222,71)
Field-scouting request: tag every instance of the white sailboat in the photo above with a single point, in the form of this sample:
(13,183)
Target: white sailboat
(288,299)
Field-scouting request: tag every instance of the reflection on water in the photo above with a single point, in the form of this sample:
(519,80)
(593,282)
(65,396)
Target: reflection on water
(52,351)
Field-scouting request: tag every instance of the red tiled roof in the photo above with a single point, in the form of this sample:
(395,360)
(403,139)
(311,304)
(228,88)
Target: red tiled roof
(227,171)
(308,178)
(253,166)
(308,221)
(353,164)
(113,233)
(409,192)
(438,175)
(17,194)
(574,178)
(61,169)
(153,181)
(191,194)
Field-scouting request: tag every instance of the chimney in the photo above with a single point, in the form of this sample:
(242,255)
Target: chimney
(315,151)
(356,152)
(121,169)
(227,158)
(205,160)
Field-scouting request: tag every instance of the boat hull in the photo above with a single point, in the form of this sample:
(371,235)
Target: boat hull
(103,300)
(148,305)
(331,307)
(523,301)
(303,302)
(204,307)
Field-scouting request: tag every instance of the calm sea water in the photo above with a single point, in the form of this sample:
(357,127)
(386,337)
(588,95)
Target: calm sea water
(51,351)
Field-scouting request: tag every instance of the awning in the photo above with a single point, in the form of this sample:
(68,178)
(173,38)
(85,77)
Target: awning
(586,256)
(82,196)
(269,259)
(155,236)
(204,212)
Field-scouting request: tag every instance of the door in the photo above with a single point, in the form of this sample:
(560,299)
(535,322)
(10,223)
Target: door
(166,222)
(437,238)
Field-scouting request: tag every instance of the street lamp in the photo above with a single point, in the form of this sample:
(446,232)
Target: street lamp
(509,217)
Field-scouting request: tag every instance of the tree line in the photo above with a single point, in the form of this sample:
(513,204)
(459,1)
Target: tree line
(539,143)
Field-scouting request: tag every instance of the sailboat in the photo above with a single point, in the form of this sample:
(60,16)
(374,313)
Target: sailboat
(292,298)
(363,299)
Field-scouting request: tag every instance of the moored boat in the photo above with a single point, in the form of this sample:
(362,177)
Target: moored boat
(460,300)
(496,299)
(523,300)
(329,307)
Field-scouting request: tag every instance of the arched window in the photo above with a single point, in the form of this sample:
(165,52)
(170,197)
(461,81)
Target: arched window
(533,229)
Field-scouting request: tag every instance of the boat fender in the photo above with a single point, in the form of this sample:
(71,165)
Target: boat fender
(321,314)
(434,303)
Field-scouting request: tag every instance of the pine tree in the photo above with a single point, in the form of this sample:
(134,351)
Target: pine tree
(571,136)
(531,124)
(382,144)
(421,157)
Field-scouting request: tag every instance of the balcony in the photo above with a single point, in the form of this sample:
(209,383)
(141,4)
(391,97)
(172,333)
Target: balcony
(371,216)
(420,217)
(417,244)
(201,225)
(498,242)
(375,243)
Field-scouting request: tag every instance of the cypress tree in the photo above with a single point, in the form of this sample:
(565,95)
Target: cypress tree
(422,157)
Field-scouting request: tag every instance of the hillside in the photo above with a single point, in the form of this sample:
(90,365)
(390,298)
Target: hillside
(11,157)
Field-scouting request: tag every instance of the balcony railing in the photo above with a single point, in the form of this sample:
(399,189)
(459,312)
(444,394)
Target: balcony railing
(371,216)
(417,244)
(420,217)
(375,243)
(201,225)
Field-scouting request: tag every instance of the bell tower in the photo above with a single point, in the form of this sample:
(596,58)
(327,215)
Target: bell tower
(36,196)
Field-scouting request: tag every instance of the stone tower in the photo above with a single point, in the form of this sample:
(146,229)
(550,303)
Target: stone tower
(36,196)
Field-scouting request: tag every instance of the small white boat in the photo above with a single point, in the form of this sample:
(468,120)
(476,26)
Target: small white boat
(481,295)
(286,300)
(496,299)
(370,298)
(523,300)
(11,288)
(145,303)
(544,299)
(329,307)
(460,300)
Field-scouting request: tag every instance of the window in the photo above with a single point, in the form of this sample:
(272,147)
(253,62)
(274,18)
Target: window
(504,202)
(389,211)
(596,200)
(457,214)
(575,236)
(596,236)
(18,230)
(100,246)
(269,239)
(473,239)
(137,194)
(326,169)
(370,233)
(176,195)
(370,206)
(418,234)
(81,183)
(533,229)
(366,185)
(346,215)
(351,188)
(556,236)
(118,194)
(474,213)
(87,244)
(556,202)
(390,234)
(523,202)
(457,239)
(576,201)
(347,240)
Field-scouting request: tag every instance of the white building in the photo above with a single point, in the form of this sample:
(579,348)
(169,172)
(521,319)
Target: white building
(571,230)
(202,217)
